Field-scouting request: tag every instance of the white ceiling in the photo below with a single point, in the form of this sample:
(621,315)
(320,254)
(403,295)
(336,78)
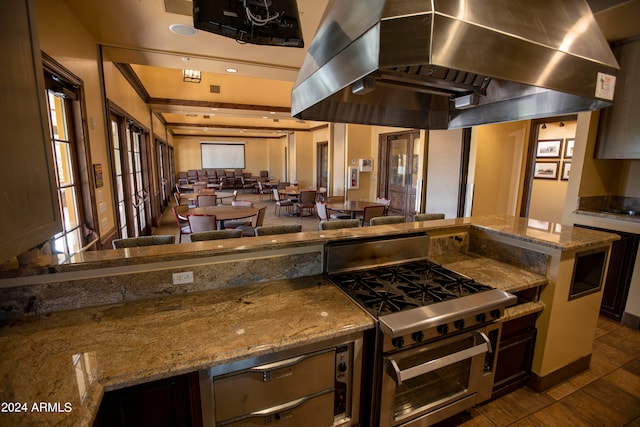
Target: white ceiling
(137,32)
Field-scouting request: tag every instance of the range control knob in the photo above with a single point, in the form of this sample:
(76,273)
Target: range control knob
(342,367)
(442,329)
(398,342)
(495,313)
(459,324)
(481,318)
(417,336)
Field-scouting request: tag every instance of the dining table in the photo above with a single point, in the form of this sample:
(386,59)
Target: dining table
(224,212)
(218,194)
(351,207)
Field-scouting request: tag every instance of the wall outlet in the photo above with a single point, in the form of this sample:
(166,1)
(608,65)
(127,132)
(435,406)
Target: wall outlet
(183,277)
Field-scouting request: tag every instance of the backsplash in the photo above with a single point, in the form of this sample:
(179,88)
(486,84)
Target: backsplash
(609,203)
(101,288)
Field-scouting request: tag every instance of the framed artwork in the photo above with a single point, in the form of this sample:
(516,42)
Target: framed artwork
(568,148)
(566,170)
(354,177)
(546,170)
(549,148)
(366,165)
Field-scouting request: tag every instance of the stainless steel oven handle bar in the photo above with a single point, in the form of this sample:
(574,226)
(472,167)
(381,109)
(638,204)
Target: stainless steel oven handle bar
(399,376)
(268,370)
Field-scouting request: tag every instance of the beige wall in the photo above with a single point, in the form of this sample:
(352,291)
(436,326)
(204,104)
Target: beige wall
(443,172)
(305,160)
(497,156)
(548,196)
(359,146)
(260,153)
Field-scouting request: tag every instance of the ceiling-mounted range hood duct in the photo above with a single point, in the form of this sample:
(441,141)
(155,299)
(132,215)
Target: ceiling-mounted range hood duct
(442,64)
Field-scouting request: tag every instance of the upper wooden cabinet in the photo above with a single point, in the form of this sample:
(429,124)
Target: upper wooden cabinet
(619,134)
(29,208)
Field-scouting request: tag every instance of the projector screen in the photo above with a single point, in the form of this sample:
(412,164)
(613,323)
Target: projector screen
(222,155)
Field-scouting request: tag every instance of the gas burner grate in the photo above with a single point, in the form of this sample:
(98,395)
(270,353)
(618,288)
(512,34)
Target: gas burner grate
(385,301)
(389,289)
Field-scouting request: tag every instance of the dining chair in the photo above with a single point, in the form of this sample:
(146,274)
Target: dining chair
(134,242)
(201,222)
(321,211)
(202,236)
(371,212)
(269,230)
(263,191)
(427,216)
(389,219)
(280,202)
(249,230)
(386,202)
(339,223)
(198,187)
(233,223)
(307,201)
(206,200)
(183,225)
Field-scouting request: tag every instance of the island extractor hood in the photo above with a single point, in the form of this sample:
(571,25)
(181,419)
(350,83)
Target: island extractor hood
(445,64)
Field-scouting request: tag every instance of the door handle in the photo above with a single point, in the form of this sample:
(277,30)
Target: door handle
(399,376)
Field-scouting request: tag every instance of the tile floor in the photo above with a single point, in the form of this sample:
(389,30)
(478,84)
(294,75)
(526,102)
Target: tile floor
(607,394)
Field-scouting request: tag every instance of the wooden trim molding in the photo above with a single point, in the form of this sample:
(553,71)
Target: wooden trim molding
(541,384)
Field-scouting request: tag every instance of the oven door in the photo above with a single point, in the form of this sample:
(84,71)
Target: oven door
(432,381)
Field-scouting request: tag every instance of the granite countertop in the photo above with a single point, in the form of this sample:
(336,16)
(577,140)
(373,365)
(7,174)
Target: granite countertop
(491,272)
(120,345)
(541,233)
(499,275)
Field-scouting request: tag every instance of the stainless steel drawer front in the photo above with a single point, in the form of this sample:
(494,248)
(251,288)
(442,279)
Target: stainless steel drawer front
(269,385)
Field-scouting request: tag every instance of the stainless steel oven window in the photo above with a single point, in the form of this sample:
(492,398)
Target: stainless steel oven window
(423,379)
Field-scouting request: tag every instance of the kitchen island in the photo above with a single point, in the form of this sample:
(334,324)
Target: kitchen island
(249,297)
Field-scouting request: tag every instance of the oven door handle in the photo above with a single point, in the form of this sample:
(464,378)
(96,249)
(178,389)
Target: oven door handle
(399,376)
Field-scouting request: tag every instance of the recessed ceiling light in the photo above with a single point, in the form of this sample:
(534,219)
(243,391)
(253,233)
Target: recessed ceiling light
(232,70)
(272,112)
(183,30)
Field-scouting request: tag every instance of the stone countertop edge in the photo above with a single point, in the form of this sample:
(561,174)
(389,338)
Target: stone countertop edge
(609,215)
(488,271)
(127,344)
(570,238)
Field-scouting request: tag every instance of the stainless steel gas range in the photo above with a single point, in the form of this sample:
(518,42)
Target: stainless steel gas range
(432,354)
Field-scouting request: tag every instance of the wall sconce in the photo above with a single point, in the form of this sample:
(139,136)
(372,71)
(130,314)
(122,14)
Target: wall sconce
(191,76)
(544,126)
(561,124)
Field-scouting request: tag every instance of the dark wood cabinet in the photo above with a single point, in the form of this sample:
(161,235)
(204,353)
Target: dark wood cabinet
(515,354)
(171,402)
(618,280)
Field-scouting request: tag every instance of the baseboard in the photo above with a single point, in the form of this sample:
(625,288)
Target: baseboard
(541,384)
(630,321)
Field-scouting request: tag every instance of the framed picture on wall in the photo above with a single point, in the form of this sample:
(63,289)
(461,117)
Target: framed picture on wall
(549,148)
(354,177)
(566,170)
(546,170)
(568,148)
(366,165)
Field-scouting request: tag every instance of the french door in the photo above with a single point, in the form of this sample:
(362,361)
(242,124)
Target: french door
(398,172)
(131,176)
(322,167)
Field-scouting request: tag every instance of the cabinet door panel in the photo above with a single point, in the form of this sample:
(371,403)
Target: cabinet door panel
(30,213)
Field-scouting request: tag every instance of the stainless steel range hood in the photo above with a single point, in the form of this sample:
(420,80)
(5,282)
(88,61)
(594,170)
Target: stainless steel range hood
(448,64)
